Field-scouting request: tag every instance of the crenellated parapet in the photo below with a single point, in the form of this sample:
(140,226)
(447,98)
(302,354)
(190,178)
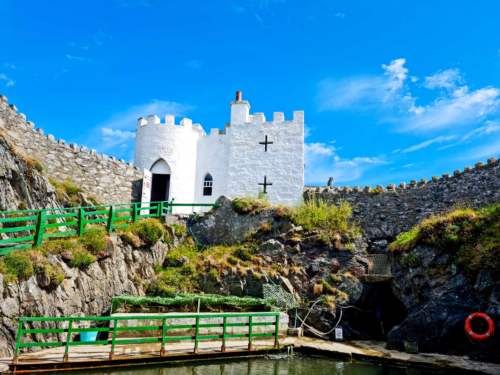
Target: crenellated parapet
(168,123)
(385,211)
(108,178)
(444,179)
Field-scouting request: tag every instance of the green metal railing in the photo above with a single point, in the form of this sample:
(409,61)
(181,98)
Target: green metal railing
(65,330)
(28,228)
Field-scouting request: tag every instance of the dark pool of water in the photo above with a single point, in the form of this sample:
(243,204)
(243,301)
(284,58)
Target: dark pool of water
(279,365)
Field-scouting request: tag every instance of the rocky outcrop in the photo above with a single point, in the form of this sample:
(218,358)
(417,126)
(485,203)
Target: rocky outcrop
(226,226)
(83,292)
(21,185)
(439,296)
(301,262)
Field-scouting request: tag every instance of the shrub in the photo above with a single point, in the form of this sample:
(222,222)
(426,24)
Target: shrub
(53,272)
(149,231)
(184,249)
(330,220)
(243,253)
(180,230)
(81,258)
(405,240)
(94,239)
(232,260)
(58,246)
(131,239)
(249,206)
(19,265)
(71,187)
(38,166)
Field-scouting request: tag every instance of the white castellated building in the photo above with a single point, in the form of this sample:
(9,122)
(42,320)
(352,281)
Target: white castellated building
(251,156)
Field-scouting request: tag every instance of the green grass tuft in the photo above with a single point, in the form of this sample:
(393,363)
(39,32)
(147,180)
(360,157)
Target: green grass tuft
(250,206)
(150,231)
(94,239)
(331,221)
(81,258)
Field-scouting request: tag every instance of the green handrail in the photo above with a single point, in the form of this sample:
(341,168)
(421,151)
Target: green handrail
(28,228)
(161,332)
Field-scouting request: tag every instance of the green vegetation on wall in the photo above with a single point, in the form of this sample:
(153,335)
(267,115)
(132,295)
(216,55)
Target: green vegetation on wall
(472,236)
(331,221)
(189,302)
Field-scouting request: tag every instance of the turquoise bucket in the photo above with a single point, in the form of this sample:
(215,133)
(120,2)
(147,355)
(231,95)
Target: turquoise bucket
(88,336)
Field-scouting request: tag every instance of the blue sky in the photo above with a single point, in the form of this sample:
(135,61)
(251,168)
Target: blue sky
(392,90)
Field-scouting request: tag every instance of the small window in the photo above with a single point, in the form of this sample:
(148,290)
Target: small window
(208,183)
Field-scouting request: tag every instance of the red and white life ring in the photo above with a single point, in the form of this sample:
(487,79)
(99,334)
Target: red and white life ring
(479,336)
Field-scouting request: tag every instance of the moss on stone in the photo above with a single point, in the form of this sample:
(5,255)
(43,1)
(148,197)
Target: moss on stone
(250,206)
(81,258)
(472,236)
(149,231)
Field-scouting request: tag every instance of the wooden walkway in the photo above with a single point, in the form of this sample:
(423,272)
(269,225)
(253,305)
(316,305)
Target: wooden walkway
(87,357)
(91,356)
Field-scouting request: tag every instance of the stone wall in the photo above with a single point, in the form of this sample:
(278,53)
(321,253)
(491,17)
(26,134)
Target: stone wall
(108,179)
(385,212)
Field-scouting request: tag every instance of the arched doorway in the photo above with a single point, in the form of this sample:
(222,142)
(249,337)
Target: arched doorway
(160,185)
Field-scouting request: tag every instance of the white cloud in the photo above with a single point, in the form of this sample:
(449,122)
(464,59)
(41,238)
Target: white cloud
(483,151)
(112,138)
(75,58)
(9,82)
(319,149)
(322,162)
(194,64)
(445,79)
(9,65)
(427,143)
(390,95)
(489,127)
(460,108)
(340,15)
(368,92)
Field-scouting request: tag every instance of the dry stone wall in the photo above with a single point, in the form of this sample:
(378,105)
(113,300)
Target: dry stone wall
(384,212)
(108,179)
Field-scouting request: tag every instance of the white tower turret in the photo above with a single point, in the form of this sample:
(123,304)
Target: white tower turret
(240,110)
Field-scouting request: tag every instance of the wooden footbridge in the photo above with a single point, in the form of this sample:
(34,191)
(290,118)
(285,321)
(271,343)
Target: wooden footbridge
(71,343)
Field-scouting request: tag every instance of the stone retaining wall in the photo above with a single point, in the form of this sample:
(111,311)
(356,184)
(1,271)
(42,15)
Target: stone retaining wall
(108,179)
(384,212)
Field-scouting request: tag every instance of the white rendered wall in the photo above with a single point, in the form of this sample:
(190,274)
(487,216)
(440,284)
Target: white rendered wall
(177,145)
(283,163)
(212,158)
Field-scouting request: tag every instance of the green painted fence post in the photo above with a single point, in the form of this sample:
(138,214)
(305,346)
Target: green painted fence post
(224,331)
(68,339)
(134,212)
(40,228)
(111,215)
(18,341)
(196,333)
(113,339)
(160,209)
(277,332)
(250,326)
(163,336)
(81,221)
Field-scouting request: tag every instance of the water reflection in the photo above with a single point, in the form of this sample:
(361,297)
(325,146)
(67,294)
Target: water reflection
(299,365)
